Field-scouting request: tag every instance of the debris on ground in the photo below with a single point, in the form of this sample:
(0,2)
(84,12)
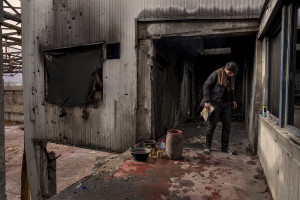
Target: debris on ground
(198,140)
(260,174)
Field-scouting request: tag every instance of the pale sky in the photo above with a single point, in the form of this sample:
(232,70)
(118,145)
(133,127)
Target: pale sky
(16,79)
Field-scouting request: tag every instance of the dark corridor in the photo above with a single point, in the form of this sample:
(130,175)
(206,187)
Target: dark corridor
(182,65)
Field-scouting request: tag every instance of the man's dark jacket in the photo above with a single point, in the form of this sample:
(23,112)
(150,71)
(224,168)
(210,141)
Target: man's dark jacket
(213,91)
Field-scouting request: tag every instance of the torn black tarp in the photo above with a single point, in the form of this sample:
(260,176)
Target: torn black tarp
(71,75)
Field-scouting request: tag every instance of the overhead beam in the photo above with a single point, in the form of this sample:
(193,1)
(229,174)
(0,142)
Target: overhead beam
(12,38)
(11,44)
(218,51)
(9,60)
(200,28)
(14,27)
(12,53)
(13,56)
(11,33)
(10,16)
(11,7)
(15,48)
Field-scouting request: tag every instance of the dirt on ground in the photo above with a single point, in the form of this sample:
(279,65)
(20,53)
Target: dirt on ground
(72,165)
(219,176)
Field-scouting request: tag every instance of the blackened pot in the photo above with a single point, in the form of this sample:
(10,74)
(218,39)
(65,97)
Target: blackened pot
(140,153)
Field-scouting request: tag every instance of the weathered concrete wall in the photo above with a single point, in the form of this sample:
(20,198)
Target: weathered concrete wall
(279,154)
(13,103)
(256,96)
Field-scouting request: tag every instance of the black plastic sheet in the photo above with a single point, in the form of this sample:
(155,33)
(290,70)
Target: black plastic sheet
(70,75)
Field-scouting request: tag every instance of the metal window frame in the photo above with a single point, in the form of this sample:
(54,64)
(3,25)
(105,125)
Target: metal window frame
(275,30)
(288,63)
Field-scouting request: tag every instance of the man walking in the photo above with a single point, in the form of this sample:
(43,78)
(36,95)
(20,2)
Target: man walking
(218,91)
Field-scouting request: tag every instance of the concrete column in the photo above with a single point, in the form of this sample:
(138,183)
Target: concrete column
(2,136)
(256,96)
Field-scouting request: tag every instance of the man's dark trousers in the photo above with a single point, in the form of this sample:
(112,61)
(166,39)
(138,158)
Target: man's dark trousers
(223,113)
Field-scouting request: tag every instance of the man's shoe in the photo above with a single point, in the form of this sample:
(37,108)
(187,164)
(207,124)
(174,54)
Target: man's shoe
(206,151)
(230,152)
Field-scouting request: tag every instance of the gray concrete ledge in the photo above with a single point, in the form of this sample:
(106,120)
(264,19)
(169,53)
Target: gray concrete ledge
(279,154)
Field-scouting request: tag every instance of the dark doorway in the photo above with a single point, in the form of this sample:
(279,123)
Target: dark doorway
(182,65)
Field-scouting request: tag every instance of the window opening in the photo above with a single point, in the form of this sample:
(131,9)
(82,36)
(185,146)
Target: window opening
(294,92)
(113,51)
(274,73)
(74,75)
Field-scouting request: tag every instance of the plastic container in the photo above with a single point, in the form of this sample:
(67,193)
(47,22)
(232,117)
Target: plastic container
(174,144)
(264,111)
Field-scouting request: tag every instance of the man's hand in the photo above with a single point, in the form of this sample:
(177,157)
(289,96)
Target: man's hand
(207,106)
(234,104)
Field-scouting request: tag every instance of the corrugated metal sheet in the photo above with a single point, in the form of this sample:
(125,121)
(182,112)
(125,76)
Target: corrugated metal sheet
(61,23)
(203,8)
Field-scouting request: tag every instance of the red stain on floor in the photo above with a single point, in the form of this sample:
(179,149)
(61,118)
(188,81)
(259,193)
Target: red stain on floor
(157,174)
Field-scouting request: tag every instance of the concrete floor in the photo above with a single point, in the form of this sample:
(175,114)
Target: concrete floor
(73,164)
(196,176)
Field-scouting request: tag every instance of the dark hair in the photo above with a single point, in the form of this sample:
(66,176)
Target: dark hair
(232,66)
